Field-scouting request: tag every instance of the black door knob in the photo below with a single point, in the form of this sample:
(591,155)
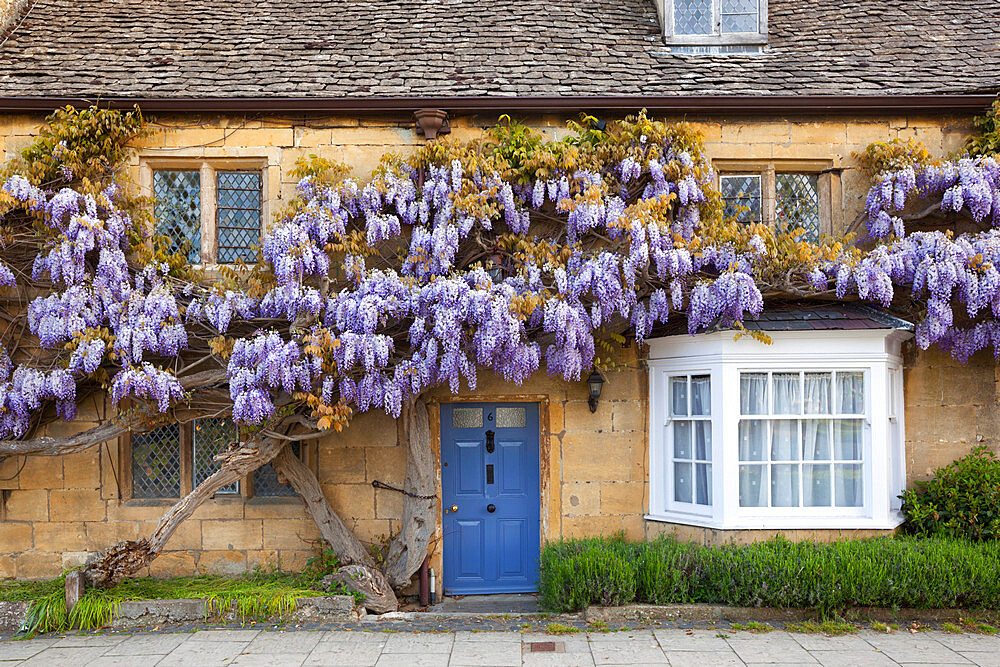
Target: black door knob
(491,508)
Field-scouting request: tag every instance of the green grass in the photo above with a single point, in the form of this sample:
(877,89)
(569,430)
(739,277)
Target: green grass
(255,596)
(560,629)
(879,626)
(828,627)
(752,626)
(923,573)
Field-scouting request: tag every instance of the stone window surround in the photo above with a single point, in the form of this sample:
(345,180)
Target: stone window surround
(665,12)
(308,454)
(208,166)
(876,352)
(829,184)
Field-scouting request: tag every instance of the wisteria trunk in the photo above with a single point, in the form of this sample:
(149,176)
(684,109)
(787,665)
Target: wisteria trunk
(409,548)
(359,571)
(108,567)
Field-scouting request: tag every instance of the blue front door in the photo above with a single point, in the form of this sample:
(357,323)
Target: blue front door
(490,493)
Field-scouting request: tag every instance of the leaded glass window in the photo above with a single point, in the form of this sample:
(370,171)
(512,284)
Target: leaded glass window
(797,203)
(740,16)
(178,210)
(265,479)
(693,17)
(741,196)
(156,463)
(212,437)
(238,196)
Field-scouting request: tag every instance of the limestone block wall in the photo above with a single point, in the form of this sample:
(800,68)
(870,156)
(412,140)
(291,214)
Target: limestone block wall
(53,511)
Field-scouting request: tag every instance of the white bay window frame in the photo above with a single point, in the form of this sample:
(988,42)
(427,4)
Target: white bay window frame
(874,352)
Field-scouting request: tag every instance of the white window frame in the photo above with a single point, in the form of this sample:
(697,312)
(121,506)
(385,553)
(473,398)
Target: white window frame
(208,169)
(876,352)
(665,9)
(668,497)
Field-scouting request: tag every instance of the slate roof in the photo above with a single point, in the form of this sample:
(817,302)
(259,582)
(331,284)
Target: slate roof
(802,317)
(399,48)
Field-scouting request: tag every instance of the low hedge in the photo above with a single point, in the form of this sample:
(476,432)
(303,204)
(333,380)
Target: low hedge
(879,572)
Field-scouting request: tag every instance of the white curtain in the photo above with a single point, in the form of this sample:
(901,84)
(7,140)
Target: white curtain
(785,485)
(817,393)
(816,439)
(703,483)
(701,395)
(753,393)
(851,393)
(682,439)
(682,482)
(816,485)
(753,486)
(678,393)
(785,440)
(703,440)
(849,483)
(786,393)
(848,444)
(753,440)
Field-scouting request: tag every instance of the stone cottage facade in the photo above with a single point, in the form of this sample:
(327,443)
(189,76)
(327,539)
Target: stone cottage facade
(704,437)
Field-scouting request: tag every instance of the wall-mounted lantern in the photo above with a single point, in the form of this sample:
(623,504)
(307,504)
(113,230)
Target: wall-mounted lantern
(595,382)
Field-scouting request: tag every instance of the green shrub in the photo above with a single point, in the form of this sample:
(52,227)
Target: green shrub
(961,500)
(879,572)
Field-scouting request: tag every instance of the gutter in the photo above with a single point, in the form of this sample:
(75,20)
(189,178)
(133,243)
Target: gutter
(710,104)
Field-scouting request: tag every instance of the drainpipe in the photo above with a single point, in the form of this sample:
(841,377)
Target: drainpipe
(425,588)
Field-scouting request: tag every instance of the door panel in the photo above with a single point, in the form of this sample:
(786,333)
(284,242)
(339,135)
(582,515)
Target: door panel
(489,460)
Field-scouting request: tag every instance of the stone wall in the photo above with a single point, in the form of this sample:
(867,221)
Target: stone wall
(594,465)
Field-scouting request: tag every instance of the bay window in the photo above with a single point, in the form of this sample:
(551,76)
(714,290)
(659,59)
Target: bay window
(803,433)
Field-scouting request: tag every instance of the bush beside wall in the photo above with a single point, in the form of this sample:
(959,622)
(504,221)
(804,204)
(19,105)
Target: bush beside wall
(880,572)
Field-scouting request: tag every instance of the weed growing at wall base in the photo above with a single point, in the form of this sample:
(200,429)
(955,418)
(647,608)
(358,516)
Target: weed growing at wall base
(879,572)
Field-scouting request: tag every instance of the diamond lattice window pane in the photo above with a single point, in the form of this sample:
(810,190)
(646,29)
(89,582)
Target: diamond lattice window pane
(237,215)
(265,479)
(693,17)
(178,210)
(741,196)
(797,203)
(156,463)
(211,437)
(740,16)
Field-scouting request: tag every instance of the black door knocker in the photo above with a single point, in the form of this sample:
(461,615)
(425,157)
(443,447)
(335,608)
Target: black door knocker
(489,442)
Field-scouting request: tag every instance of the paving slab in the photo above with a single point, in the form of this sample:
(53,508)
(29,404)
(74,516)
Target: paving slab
(269,660)
(413,660)
(772,648)
(410,642)
(818,642)
(495,653)
(148,644)
(912,648)
(24,649)
(284,642)
(225,635)
(628,652)
(89,640)
(345,653)
(727,658)
(982,658)
(691,640)
(853,658)
(969,642)
(202,653)
(71,655)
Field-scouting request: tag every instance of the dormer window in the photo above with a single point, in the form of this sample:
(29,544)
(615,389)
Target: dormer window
(714,26)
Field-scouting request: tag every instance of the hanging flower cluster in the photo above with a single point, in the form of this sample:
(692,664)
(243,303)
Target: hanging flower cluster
(460,259)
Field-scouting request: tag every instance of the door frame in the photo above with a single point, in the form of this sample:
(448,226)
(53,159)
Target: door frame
(550,426)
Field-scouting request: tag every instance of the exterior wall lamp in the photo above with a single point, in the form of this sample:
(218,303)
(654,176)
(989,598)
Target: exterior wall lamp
(595,382)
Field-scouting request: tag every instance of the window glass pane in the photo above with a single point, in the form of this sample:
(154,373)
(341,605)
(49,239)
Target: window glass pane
(816,485)
(682,440)
(703,440)
(682,482)
(847,480)
(816,439)
(753,440)
(237,218)
(741,197)
(786,394)
(703,485)
(785,440)
(816,399)
(156,463)
(701,395)
(848,439)
(265,479)
(796,203)
(178,210)
(693,17)
(753,482)
(739,16)
(785,485)
(212,437)
(679,400)
(851,393)
(511,417)
(753,393)
(467,418)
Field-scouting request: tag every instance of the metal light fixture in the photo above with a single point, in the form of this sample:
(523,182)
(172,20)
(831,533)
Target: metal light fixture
(495,270)
(595,382)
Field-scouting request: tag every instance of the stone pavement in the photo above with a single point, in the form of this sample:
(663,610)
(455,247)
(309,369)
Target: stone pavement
(677,647)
